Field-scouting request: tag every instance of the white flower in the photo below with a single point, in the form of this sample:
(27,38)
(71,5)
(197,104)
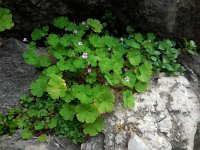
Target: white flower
(80,43)
(104,24)
(83,23)
(89,70)
(106,83)
(109,49)
(125,69)
(85,55)
(66,29)
(122,39)
(126,79)
(75,31)
(25,40)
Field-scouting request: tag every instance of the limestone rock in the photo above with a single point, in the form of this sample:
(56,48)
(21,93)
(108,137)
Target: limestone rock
(164,118)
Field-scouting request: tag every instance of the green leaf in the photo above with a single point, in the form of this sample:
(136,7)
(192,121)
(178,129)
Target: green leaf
(104,101)
(67,112)
(105,65)
(83,93)
(94,128)
(53,123)
(56,87)
(145,72)
(129,99)
(26,134)
(140,86)
(151,36)
(53,40)
(5,19)
(42,138)
(95,24)
(53,71)
(65,40)
(68,96)
(79,63)
(110,41)
(38,33)
(96,41)
(86,113)
(61,22)
(135,57)
(112,78)
(91,77)
(38,125)
(39,86)
(133,44)
(139,37)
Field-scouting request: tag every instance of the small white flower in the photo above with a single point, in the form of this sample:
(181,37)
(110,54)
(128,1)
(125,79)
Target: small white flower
(125,69)
(83,23)
(66,29)
(122,39)
(89,70)
(85,55)
(106,83)
(109,49)
(126,79)
(75,31)
(25,40)
(80,43)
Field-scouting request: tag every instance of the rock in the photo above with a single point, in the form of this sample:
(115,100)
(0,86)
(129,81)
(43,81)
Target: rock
(15,79)
(174,19)
(15,75)
(192,64)
(136,143)
(14,142)
(95,143)
(164,118)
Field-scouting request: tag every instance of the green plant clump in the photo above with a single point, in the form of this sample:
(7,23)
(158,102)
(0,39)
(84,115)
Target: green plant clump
(5,19)
(81,68)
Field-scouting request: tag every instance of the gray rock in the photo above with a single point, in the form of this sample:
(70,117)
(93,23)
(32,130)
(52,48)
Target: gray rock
(14,142)
(164,118)
(15,75)
(192,63)
(136,143)
(167,18)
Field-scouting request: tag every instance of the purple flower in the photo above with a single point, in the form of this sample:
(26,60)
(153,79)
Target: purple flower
(125,69)
(80,43)
(89,70)
(126,79)
(85,55)
(25,40)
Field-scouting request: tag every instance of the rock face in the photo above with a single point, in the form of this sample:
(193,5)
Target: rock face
(15,75)
(167,18)
(164,118)
(14,142)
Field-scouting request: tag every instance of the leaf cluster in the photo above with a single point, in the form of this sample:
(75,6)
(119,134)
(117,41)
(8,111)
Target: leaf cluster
(5,19)
(81,67)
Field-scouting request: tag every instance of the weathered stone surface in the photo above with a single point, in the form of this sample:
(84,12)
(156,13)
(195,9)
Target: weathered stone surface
(15,75)
(14,142)
(164,118)
(167,18)
(192,64)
